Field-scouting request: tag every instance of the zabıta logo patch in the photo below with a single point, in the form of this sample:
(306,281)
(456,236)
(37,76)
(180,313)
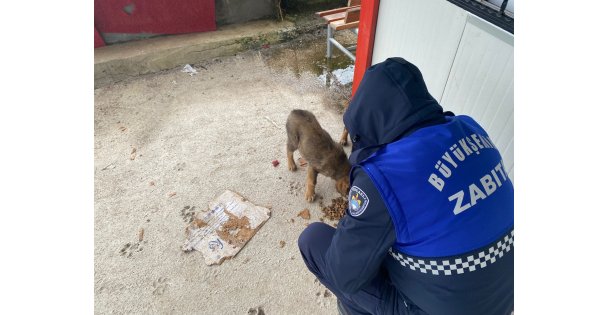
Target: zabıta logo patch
(357,201)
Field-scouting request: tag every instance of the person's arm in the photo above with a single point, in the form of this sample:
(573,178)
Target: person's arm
(363,237)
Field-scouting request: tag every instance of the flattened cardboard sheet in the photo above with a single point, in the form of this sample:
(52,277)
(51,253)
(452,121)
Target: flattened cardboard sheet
(225,227)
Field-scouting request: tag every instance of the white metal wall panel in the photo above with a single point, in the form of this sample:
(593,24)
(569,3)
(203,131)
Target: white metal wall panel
(467,62)
(480,83)
(424,32)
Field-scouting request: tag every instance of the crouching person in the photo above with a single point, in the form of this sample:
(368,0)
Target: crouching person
(429,228)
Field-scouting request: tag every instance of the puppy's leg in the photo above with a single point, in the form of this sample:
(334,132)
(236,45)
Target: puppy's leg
(344,137)
(311,182)
(292,144)
(291,164)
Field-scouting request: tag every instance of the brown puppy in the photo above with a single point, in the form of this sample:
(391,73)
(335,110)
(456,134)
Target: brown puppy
(320,151)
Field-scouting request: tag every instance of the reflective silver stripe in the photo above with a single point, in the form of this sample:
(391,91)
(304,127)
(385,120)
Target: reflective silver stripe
(457,265)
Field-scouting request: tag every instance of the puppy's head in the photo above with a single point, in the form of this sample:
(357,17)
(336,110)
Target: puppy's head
(343,185)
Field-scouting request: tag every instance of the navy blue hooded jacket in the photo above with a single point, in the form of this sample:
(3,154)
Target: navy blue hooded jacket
(392,102)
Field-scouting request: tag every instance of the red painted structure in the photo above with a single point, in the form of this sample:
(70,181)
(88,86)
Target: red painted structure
(154,16)
(365,39)
(98,40)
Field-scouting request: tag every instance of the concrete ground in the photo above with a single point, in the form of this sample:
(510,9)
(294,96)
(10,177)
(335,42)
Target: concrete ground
(169,140)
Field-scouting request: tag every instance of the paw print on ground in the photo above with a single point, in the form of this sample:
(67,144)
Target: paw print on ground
(295,188)
(130,248)
(160,285)
(188,214)
(256,311)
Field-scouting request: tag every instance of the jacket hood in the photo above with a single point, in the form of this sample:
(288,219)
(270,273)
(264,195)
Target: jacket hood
(391,102)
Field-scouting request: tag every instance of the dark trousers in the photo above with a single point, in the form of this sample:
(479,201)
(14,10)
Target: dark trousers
(379,297)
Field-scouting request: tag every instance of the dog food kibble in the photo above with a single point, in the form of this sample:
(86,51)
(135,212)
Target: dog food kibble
(336,210)
(304,214)
(199,223)
(275,163)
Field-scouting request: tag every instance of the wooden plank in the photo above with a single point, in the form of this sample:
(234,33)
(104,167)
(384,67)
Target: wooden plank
(334,17)
(340,25)
(352,15)
(332,11)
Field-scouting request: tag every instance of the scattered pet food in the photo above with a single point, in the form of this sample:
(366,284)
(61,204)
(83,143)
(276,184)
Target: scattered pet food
(326,293)
(275,163)
(133,155)
(336,210)
(122,129)
(199,223)
(236,231)
(281,244)
(152,184)
(172,194)
(141,234)
(304,214)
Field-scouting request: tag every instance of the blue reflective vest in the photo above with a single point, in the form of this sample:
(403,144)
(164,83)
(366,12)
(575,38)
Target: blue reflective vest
(445,187)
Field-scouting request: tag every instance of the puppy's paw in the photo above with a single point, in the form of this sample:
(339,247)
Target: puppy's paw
(310,195)
(291,166)
(344,142)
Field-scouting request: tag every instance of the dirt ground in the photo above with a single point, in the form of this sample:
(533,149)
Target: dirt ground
(168,141)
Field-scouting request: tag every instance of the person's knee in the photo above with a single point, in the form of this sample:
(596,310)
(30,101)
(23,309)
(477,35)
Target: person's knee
(311,235)
(313,243)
